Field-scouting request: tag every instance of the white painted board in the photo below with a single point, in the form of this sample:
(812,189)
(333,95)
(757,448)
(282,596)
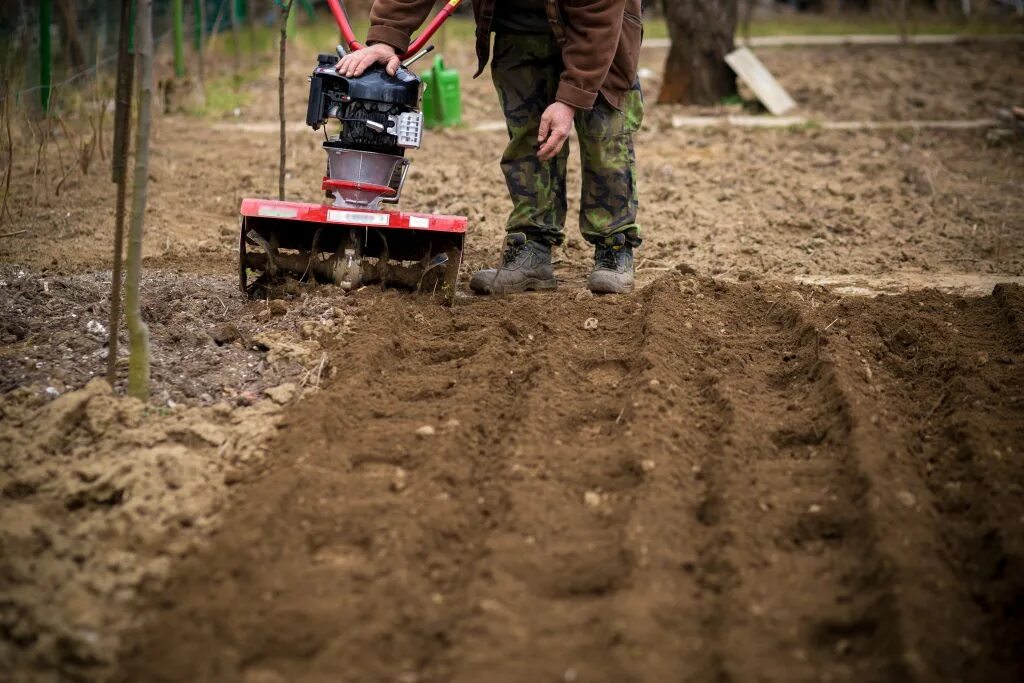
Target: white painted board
(757,77)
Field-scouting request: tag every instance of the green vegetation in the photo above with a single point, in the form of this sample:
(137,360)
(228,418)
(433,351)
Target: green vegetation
(223,95)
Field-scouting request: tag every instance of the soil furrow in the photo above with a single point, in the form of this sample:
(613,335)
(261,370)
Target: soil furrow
(356,547)
(939,450)
(560,552)
(799,587)
(700,481)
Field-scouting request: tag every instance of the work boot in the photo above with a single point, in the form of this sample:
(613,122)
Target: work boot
(613,267)
(525,266)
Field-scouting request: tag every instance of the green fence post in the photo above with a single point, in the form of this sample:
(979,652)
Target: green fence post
(131,32)
(197,9)
(179,37)
(45,75)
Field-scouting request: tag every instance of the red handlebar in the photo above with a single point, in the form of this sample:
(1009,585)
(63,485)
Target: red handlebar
(353,44)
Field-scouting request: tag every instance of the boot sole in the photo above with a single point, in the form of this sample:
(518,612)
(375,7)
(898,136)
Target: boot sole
(606,290)
(528,285)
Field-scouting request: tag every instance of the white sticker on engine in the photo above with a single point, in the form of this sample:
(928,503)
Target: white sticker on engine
(419,222)
(357,217)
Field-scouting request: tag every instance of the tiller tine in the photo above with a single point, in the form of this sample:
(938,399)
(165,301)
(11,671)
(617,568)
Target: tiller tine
(351,249)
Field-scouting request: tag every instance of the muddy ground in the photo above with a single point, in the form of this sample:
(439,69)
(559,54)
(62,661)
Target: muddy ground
(736,475)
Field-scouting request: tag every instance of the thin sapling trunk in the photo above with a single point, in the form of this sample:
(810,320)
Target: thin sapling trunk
(286,10)
(119,164)
(138,333)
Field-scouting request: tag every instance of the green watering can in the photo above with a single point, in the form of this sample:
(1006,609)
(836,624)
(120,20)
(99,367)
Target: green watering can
(442,98)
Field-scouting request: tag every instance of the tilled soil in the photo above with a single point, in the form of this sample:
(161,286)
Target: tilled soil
(724,476)
(717,482)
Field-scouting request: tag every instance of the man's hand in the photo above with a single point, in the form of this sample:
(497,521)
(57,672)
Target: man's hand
(555,125)
(355,63)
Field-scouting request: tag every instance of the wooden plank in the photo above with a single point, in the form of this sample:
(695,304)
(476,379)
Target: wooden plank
(756,75)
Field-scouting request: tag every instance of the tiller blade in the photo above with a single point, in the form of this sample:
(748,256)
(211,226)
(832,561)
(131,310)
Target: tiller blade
(350,248)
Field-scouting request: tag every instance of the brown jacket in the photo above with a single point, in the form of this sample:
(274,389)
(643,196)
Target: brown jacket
(600,41)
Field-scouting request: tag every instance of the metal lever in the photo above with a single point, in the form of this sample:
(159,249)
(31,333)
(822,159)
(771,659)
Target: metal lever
(418,56)
(341,51)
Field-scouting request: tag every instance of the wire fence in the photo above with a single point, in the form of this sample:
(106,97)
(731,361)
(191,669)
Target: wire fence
(83,34)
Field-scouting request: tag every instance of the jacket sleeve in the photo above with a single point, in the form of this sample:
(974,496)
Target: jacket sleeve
(393,21)
(592,29)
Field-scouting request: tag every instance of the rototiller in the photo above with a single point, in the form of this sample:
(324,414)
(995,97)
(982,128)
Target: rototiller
(355,241)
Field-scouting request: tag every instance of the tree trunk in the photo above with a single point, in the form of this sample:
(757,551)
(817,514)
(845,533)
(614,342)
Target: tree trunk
(286,10)
(702,33)
(138,363)
(67,19)
(119,163)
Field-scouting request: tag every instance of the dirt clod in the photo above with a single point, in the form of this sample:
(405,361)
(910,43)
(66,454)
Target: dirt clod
(225,333)
(283,393)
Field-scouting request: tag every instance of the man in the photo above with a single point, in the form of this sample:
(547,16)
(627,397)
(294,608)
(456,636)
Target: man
(555,63)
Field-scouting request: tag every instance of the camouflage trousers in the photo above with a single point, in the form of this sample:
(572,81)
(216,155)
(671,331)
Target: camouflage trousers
(526,71)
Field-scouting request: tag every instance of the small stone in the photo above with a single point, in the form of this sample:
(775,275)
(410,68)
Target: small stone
(590,324)
(225,334)
(814,509)
(426,430)
(907,498)
(452,424)
(246,398)
(654,382)
(592,499)
(277,307)
(283,393)
(982,358)
(647,465)
(570,675)
(399,481)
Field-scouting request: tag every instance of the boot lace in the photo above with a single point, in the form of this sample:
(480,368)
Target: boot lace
(607,257)
(512,253)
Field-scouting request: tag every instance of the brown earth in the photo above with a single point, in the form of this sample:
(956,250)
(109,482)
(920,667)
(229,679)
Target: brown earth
(731,477)
(719,482)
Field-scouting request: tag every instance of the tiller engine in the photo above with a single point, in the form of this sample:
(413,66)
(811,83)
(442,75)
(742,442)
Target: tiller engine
(355,241)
